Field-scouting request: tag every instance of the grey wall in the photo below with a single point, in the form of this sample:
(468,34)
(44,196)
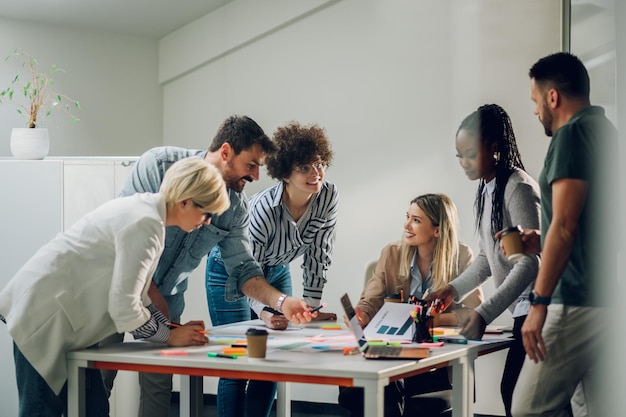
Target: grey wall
(114,77)
(390,81)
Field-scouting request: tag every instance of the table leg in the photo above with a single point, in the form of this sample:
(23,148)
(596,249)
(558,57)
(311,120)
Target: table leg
(283,399)
(463,386)
(191,396)
(76,404)
(373,396)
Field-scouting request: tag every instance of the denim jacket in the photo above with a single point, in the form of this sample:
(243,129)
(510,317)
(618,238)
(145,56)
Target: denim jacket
(184,251)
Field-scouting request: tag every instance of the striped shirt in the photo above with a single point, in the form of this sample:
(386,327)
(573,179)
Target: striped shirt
(277,239)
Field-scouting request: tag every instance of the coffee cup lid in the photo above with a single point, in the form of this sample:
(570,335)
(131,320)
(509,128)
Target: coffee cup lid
(510,230)
(256,332)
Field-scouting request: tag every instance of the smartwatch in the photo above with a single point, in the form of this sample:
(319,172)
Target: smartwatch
(537,299)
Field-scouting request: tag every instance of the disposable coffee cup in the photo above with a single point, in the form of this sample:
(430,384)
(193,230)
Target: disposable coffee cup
(512,242)
(257,343)
(392,298)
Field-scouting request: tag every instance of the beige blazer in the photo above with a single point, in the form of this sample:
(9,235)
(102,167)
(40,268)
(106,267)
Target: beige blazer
(86,283)
(385,280)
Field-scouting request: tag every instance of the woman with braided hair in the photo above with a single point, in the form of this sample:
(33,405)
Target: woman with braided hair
(507,197)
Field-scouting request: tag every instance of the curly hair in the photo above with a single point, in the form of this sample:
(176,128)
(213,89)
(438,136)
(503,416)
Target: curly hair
(297,144)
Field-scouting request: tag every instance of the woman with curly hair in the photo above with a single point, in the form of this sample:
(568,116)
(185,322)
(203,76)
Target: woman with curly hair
(294,218)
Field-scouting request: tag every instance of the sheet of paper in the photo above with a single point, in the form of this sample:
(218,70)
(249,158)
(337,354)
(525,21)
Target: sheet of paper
(392,322)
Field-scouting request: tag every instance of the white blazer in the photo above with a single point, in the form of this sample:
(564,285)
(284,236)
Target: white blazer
(86,284)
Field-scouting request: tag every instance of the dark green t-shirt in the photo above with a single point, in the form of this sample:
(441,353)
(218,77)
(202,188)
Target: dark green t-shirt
(584,148)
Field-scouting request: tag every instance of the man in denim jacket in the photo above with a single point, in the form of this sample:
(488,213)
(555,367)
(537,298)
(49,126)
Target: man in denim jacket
(237,151)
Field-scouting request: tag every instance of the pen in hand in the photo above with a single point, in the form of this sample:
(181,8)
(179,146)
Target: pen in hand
(318,308)
(204,332)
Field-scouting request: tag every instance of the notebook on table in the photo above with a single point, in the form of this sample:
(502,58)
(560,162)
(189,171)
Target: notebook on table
(378,352)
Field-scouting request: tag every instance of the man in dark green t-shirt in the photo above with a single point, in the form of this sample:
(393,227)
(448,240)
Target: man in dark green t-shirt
(563,331)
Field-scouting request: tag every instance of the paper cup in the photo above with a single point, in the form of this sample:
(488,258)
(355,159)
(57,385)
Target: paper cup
(512,242)
(257,343)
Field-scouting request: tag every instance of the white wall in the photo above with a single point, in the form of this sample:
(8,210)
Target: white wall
(390,81)
(114,77)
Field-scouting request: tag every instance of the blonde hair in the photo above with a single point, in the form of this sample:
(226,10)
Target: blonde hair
(193,178)
(442,213)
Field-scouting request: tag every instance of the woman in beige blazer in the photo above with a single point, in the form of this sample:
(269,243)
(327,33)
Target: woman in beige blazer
(92,281)
(427,258)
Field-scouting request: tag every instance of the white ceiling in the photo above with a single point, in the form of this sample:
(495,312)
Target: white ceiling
(157,18)
(149,18)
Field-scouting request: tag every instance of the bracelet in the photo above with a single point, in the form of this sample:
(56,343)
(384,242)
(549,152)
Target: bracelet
(280,301)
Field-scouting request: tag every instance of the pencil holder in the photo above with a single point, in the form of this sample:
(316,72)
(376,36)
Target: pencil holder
(422,333)
(422,321)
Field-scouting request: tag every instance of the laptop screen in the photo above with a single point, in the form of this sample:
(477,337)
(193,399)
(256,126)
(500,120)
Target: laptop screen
(355,327)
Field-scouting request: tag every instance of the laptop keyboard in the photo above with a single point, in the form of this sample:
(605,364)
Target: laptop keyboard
(384,350)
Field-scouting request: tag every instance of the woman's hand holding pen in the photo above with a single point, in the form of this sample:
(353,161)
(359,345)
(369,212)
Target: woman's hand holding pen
(189,334)
(322,316)
(359,316)
(445,294)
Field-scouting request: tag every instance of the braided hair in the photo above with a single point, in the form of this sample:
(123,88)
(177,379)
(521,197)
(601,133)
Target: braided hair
(492,125)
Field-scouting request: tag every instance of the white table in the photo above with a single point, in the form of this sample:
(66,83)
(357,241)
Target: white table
(282,366)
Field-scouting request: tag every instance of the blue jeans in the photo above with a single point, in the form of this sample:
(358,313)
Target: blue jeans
(36,398)
(239,397)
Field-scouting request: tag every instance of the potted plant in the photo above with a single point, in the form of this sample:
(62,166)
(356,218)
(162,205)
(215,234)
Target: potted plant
(35,100)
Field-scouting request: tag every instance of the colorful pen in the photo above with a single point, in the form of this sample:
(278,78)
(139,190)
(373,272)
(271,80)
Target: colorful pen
(318,308)
(220,355)
(458,341)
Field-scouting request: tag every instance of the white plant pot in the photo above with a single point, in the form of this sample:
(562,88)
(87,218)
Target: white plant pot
(29,143)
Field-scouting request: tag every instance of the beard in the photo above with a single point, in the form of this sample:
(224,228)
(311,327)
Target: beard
(546,119)
(237,184)
(233,182)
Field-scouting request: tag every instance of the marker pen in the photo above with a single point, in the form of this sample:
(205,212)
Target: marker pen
(238,351)
(220,355)
(318,308)
(458,341)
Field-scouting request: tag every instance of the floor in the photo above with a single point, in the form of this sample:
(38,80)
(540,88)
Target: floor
(298,408)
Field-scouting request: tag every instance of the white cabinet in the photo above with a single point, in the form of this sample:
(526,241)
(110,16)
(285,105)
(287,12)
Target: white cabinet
(87,183)
(39,200)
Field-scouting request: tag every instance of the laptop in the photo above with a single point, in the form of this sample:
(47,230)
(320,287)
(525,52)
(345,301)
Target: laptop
(378,352)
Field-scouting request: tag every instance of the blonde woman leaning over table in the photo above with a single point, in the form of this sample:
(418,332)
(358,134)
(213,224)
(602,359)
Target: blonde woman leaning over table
(92,281)
(427,258)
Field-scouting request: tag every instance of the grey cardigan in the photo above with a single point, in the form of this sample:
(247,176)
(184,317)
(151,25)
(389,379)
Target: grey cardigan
(513,282)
